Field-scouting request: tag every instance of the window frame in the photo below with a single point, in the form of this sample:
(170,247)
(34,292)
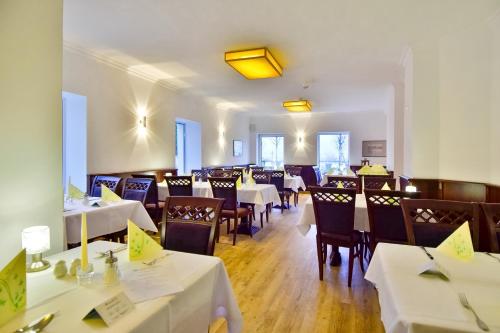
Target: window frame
(318,147)
(259,145)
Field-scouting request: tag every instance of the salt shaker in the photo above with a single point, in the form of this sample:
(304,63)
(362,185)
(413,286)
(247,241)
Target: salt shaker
(111,271)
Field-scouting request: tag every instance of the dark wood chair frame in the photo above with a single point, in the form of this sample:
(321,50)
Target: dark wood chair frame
(492,213)
(377,182)
(180,186)
(347,182)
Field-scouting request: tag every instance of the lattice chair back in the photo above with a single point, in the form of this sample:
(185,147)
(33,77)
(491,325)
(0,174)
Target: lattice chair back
(386,216)
(221,173)
(152,196)
(294,171)
(261,177)
(429,222)
(225,188)
(492,212)
(347,182)
(334,211)
(136,189)
(235,173)
(200,175)
(278,179)
(190,224)
(180,186)
(110,182)
(256,168)
(376,183)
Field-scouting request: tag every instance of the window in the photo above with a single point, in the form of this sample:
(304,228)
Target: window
(271,151)
(180,147)
(333,152)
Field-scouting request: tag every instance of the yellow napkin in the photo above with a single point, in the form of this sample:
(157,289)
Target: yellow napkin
(74,192)
(108,195)
(378,169)
(386,187)
(194,179)
(459,244)
(238,182)
(365,170)
(140,245)
(13,288)
(340,185)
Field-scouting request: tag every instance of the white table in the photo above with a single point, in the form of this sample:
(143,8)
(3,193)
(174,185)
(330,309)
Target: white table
(200,189)
(413,303)
(104,220)
(361,221)
(207,295)
(258,194)
(295,183)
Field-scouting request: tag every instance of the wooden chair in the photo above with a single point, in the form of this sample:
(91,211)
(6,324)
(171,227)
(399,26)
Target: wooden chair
(386,216)
(347,182)
(221,173)
(492,212)
(180,186)
(136,189)
(429,222)
(225,188)
(278,180)
(237,173)
(200,175)
(334,213)
(262,177)
(376,183)
(154,206)
(190,224)
(294,171)
(108,181)
(256,168)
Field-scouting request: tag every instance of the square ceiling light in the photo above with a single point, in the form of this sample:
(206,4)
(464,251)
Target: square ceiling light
(254,64)
(298,106)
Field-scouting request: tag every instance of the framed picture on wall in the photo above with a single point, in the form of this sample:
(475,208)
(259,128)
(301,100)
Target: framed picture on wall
(237,148)
(375,148)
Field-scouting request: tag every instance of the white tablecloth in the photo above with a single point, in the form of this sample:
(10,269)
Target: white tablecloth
(104,220)
(295,183)
(258,194)
(207,296)
(200,189)
(361,221)
(413,303)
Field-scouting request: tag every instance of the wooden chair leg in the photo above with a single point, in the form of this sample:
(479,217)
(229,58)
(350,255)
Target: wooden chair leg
(267,213)
(320,257)
(228,225)
(295,198)
(351,262)
(262,220)
(325,252)
(360,256)
(235,229)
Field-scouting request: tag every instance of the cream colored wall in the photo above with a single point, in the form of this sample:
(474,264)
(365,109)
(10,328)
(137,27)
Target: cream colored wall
(30,121)
(114,96)
(370,125)
(494,119)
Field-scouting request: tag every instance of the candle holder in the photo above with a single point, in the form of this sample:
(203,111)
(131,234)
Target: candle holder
(36,240)
(85,277)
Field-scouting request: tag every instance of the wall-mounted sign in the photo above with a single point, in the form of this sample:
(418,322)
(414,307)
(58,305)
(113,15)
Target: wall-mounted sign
(375,148)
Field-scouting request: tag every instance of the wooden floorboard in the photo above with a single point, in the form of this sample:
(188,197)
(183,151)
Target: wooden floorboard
(275,279)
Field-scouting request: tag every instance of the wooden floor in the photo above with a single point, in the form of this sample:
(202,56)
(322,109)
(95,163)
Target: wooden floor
(275,279)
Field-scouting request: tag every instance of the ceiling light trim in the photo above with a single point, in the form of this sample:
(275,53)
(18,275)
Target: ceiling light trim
(302,105)
(246,55)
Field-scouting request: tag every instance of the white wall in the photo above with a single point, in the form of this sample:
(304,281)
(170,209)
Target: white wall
(114,98)
(30,121)
(370,125)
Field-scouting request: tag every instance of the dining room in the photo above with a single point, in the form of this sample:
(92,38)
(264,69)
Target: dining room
(234,166)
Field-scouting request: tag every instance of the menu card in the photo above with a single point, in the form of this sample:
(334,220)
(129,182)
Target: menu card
(112,309)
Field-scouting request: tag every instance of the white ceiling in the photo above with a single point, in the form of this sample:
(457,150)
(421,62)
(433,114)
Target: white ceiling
(349,51)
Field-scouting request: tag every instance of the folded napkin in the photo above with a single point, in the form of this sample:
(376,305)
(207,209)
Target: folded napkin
(365,170)
(109,196)
(459,244)
(13,288)
(140,245)
(386,187)
(238,183)
(74,192)
(340,185)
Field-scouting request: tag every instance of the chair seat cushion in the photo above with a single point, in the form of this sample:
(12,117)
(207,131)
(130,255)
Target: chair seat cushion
(161,204)
(187,237)
(241,211)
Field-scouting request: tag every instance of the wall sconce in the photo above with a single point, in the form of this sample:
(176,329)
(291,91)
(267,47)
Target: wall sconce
(221,136)
(142,122)
(300,140)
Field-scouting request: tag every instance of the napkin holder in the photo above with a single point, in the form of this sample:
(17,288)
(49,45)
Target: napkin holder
(432,267)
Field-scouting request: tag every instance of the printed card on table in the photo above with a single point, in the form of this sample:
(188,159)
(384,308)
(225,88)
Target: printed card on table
(109,196)
(13,288)
(140,245)
(459,244)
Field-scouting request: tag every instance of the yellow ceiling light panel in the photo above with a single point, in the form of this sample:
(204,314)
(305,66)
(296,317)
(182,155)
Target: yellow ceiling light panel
(298,106)
(254,64)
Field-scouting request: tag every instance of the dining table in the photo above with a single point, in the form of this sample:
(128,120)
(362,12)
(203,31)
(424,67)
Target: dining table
(103,218)
(179,292)
(361,221)
(418,303)
(295,183)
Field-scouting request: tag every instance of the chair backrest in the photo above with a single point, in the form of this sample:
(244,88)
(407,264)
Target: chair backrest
(492,212)
(190,224)
(376,183)
(293,170)
(235,173)
(110,182)
(261,177)
(386,216)
(256,168)
(136,189)
(200,175)
(347,182)
(428,222)
(152,196)
(334,211)
(278,179)
(221,173)
(225,188)
(180,186)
